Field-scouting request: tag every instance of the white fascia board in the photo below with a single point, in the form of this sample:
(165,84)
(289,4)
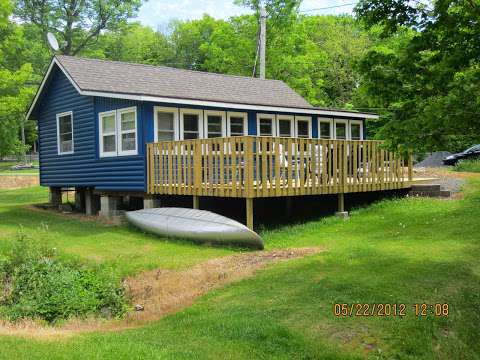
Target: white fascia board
(160,99)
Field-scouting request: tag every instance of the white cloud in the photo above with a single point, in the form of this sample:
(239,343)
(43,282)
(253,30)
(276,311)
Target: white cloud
(157,13)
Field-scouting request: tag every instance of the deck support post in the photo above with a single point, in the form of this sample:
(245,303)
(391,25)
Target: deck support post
(151,203)
(196,202)
(80,199)
(55,196)
(341,206)
(92,202)
(249,212)
(110,205)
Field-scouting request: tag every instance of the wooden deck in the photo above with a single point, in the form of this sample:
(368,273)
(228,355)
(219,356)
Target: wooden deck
(251,167)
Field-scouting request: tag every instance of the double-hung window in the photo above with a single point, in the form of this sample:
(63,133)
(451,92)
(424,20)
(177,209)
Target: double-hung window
(65,133)
(266,124)
(341,130)
(356,130)
(236,124)
(191,121)
(325,130)
(118,132)
(285,125)
(303,126)
(214,124)
(166,123)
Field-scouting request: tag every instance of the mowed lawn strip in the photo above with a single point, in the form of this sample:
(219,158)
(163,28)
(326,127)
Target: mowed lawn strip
(406,251)
(125,248)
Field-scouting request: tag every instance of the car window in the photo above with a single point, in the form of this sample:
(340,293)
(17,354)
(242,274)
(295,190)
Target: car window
(473,148)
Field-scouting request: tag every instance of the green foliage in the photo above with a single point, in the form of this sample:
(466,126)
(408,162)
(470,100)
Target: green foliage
(36,283)
(77,23)
(425,77)
(468,166)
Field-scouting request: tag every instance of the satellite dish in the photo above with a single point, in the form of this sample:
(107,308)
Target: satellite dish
(52,41)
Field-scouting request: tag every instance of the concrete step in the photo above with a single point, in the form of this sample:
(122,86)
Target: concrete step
(428,190)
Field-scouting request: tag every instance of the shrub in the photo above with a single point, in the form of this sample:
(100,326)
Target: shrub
(36,283)
(468,165)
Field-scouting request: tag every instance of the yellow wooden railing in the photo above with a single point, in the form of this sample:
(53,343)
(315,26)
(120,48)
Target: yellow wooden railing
(251,166)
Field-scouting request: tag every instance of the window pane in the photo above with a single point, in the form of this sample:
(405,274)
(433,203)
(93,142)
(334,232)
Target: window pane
(190,135)
(108,123)
(265,127)
(214,126)
(165,135)
(165,121)
(303,128)
(355,131)
(340,131)
(285,127)
(128,121)
(109,143)
(65,124)
(128,141)
(236,126)
(325,130)
(190,122)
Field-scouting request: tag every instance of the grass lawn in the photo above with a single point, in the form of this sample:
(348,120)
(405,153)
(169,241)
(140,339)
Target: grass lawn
(6,165)
(406,251)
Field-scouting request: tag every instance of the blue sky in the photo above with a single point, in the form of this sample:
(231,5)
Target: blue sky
(158,13)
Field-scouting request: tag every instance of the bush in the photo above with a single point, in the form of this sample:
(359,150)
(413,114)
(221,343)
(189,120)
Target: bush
(468,166)
(36,283)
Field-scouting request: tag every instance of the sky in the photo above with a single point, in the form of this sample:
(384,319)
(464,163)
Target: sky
(158,13)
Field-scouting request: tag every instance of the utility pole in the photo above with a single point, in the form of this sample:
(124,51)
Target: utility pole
(263,40)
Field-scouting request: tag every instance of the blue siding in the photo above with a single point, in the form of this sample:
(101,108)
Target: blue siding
(85,167)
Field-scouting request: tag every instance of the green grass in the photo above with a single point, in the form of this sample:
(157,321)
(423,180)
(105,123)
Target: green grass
(5,167)
(468,166)
(397,251)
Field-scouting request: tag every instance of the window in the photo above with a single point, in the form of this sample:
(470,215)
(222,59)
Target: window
(127,131)
(285,125)
(356,130)
(236,124)
(214,124)
(118,132)
(65,133)
(166,123)
(325,128)
(265,124)
(108,131)
(341,129)
(191,121)
(303,126)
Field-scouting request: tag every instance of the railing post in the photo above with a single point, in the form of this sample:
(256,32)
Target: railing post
(249,178)
(410,165)
(197,163)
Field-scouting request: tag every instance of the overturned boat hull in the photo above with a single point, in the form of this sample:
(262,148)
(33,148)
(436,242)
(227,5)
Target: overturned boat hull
(198,225)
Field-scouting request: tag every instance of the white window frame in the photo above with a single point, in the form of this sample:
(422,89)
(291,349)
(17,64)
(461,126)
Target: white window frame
(340,121)
(168,110)
(187,111)
(243,115)
(359,122)
(303,118)
(101,134)
(223,121)
(267,116)
(291,118)
(330,122)
(122,152)
(59,148)
(118,132)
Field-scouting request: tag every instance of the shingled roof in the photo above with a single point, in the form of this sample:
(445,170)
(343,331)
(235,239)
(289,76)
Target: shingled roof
(160,81)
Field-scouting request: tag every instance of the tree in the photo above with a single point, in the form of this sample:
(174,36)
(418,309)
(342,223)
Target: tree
(425,76)
(77,23)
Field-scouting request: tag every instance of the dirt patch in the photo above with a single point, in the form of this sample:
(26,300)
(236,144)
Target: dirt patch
(18,181)
(161,292)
